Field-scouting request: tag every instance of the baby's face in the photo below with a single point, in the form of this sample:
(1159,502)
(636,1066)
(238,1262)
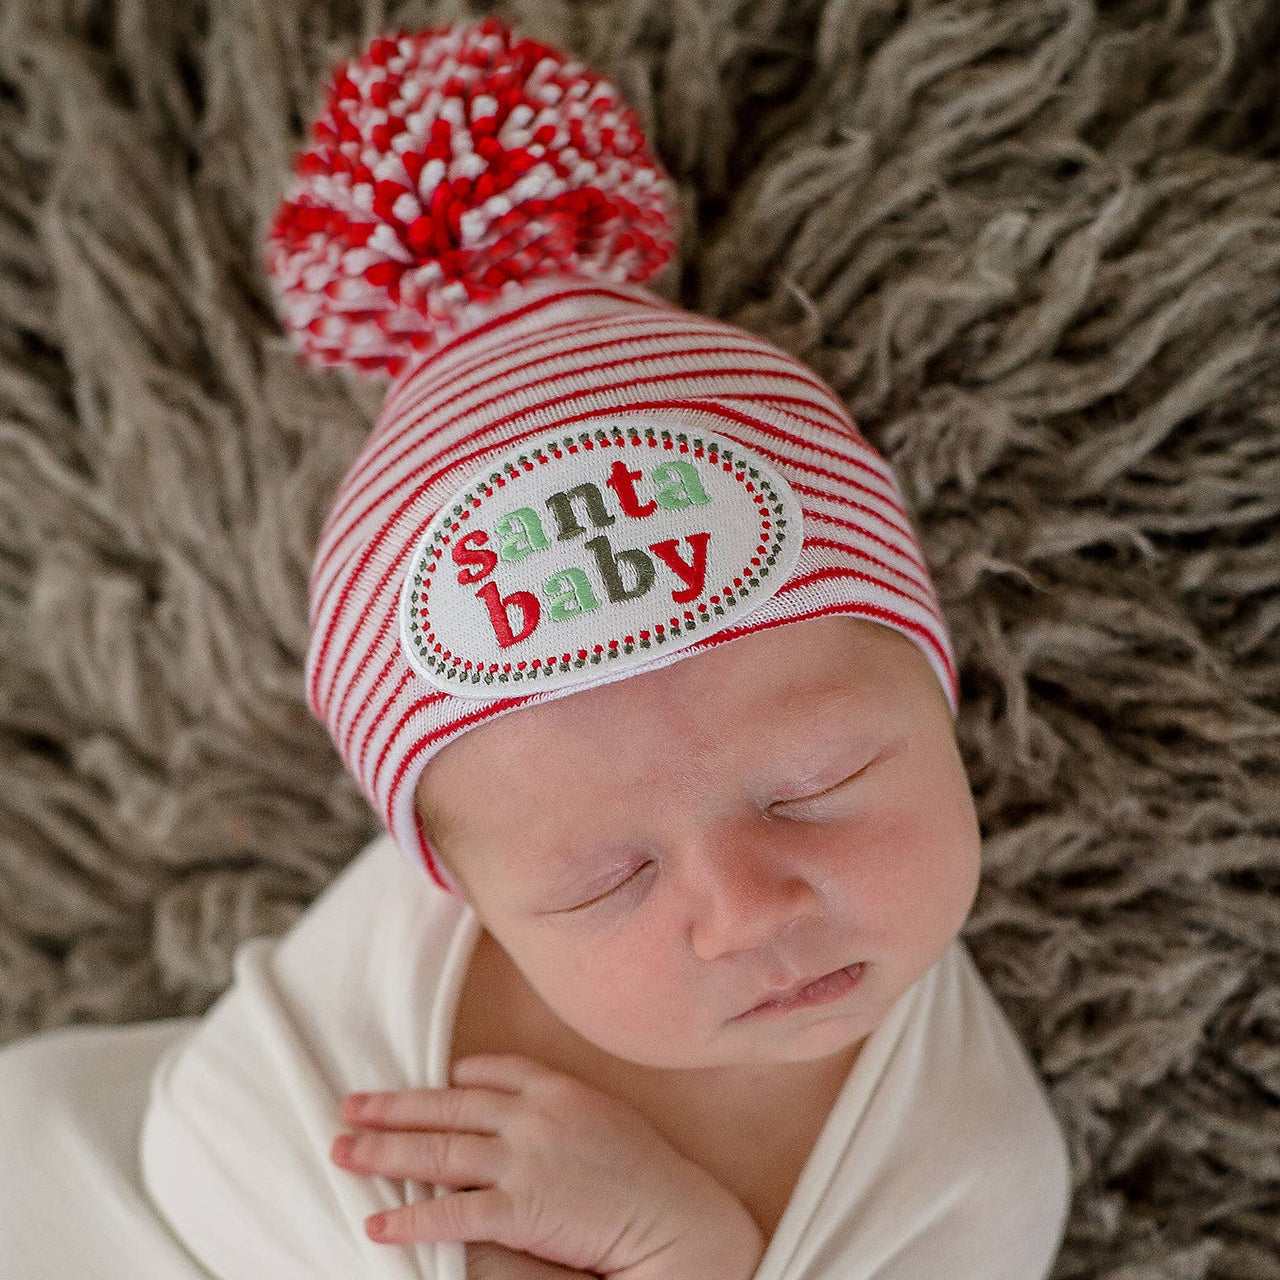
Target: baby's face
(654,855)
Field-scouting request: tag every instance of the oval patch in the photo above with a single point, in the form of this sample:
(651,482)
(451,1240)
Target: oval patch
(591,550)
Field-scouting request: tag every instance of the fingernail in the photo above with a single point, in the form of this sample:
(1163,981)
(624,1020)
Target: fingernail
(377,1224)
(356,1101)
(342,1146)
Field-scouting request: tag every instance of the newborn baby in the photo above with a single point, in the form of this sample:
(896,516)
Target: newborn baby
(623,628)
(654,858)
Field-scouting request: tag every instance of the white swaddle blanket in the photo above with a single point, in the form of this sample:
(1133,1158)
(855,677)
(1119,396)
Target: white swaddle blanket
(940,1157)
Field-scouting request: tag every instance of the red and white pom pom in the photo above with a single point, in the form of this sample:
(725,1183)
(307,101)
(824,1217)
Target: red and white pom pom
(449,166)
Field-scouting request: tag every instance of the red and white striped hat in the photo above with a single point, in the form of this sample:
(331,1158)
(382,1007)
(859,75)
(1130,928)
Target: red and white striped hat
(570,480)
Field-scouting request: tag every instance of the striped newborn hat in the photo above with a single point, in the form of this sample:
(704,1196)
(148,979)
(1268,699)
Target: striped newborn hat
(570,481)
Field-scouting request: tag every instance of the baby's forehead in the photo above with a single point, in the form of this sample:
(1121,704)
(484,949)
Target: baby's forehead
(557,751)
(759,703)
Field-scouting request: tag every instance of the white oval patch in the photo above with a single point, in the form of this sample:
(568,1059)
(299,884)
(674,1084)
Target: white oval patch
(594,549)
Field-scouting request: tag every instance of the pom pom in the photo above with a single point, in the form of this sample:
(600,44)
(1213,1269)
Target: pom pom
(447,167)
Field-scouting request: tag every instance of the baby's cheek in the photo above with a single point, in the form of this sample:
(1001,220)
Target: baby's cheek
(957,839)
(624,998)
(914,875)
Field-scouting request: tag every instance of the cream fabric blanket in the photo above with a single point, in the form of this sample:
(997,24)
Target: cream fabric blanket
(941,1155)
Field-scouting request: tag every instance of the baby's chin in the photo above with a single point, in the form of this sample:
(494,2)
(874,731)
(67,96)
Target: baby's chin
(799,1045)
(802,1036)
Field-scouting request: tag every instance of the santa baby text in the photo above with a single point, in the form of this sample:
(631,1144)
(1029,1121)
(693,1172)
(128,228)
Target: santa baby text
(570,592)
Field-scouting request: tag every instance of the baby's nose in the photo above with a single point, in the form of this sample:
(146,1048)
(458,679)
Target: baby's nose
(745,898)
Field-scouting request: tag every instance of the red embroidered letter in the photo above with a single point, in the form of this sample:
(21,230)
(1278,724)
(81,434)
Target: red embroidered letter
(463,554)
(525,601)
(622,482)
(694,574)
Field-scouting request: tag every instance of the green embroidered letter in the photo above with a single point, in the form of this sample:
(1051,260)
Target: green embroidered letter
(570,594)
(679,485)
(520,534)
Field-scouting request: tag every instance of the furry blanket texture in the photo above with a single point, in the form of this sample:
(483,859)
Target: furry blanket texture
(1034,245)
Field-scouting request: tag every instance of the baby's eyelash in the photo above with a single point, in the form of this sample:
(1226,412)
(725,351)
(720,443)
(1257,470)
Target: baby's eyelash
(818,795)
(608,893)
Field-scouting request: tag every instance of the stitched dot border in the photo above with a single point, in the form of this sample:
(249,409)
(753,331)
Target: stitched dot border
(450,666)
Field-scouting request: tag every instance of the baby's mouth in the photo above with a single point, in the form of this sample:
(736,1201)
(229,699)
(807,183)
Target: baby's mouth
(824,990)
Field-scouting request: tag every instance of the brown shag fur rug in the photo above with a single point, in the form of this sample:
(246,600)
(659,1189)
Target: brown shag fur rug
(1034,244)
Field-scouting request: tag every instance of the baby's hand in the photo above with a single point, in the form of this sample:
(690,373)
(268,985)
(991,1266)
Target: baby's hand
(546,1164)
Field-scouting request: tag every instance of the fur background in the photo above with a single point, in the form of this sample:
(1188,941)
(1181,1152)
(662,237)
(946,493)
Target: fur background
(1034,244)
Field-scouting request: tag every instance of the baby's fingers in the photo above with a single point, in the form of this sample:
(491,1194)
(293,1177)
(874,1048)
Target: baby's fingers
(460,1108)
(449,1159)
(461,1215)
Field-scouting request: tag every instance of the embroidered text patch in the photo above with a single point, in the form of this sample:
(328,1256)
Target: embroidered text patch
(593,549)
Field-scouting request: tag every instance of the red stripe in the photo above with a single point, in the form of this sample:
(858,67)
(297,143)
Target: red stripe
(693,327)
(840,500)
(837,409)
(844,571)
(515,344)
(424,852)
(687,323)
(925,603)
(708,408)
(846,428)
(355,719)
(822,516)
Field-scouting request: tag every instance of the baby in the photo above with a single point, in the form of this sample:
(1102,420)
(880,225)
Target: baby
(653,859)
(624,629)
